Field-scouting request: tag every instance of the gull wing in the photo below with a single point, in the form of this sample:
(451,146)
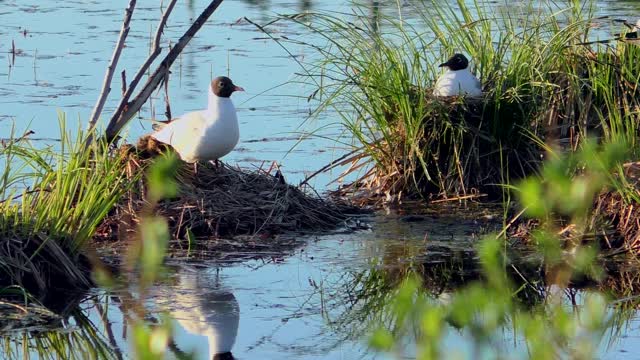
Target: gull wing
(183,134)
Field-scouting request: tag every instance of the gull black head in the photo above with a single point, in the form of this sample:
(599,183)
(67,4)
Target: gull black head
(222,86)
(456,62)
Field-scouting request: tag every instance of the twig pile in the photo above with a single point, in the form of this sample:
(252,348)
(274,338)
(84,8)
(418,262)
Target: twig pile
(622,214)
(227,201)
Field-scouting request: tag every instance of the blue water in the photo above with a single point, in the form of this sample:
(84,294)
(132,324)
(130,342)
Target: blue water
(62,52)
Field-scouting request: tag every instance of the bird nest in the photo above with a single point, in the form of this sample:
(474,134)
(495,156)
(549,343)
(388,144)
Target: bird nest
(613,223)
(621,214)
(216,202)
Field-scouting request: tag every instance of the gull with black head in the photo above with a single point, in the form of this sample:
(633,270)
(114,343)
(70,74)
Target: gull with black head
(457,80)
(205,135)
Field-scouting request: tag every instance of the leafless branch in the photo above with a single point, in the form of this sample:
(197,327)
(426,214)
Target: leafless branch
(167,111)
(8,142)
(113,63)
(127,109)
(155,51)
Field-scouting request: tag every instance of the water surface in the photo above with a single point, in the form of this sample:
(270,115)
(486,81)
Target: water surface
(284,305)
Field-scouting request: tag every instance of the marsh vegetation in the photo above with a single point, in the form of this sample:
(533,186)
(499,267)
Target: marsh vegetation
(543,92)
(553,143)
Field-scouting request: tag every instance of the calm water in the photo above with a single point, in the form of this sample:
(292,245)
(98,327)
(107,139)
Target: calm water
(279,304)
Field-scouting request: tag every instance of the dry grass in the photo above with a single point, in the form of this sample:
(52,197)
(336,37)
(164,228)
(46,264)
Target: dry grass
(227,202)
(37,263)
(621,213)
(613,221)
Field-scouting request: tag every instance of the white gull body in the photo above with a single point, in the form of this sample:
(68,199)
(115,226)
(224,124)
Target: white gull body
(457,83)
(633,34)
(203,135)
(457,80)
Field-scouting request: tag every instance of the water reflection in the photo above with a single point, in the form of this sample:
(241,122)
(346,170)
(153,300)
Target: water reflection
(71,334)
(367,299)
(201,307)
(291,310)
(265,5)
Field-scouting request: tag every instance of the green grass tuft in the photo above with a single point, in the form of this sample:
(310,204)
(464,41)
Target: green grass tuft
(541,86)
(52,199)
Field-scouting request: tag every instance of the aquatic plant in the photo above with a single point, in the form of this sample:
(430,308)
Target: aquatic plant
(85,340)
(541,85)
(52,200)
(145,260)
(71,333)
(483,308)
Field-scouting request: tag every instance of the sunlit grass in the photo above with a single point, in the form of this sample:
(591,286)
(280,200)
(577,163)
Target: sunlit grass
(52,200)
(487,307)
(74,335)
(540,86)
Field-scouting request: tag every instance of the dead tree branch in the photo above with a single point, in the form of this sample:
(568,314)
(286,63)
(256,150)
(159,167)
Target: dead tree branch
(127,109)
(155,51)
(113,63)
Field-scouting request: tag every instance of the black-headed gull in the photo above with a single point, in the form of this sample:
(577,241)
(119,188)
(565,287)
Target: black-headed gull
(209,134)
(457,80)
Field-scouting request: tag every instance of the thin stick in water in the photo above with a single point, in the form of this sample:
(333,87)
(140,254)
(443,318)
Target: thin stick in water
(113,63)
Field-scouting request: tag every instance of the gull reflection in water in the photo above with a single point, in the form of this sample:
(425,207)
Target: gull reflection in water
(201,306)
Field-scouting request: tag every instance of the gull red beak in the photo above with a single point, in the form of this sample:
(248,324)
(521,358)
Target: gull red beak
(238,88)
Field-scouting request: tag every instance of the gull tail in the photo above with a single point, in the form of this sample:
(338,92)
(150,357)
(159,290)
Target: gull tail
(159,124)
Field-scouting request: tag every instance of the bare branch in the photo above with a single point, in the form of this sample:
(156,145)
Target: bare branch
(127,109)
(113,63)
(167,111)
(163,22)
(155,51)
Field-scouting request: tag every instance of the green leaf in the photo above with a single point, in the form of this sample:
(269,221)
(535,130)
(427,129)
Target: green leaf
(161,178)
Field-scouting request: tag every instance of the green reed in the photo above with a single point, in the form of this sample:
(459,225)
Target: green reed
(540,86)
(53,199)
(487,307)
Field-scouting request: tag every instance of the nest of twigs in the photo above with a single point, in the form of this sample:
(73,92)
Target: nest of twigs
(623,215)
(224,201)
(614,221)
(465,148)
